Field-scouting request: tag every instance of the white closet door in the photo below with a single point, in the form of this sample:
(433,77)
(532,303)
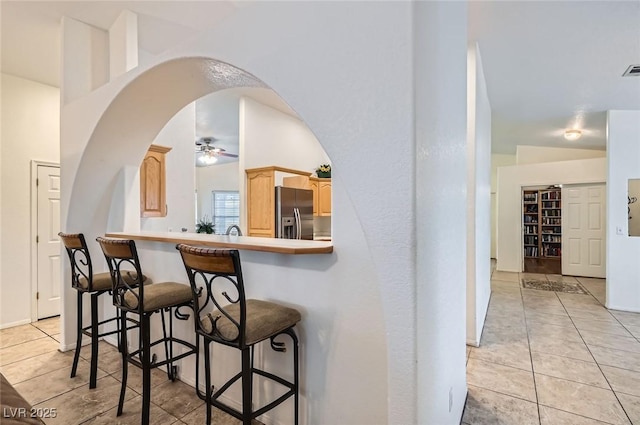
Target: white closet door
(584,230)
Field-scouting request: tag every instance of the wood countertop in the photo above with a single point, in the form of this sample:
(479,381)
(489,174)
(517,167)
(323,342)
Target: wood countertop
(280,246)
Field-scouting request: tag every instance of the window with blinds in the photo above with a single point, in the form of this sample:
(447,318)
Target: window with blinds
(226,210)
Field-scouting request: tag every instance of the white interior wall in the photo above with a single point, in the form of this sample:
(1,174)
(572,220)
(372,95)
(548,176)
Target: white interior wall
(179,134)
(29,130)
(478,197)
(123,44)
(270,137)
(623,251)
(497,160)
(361,296)
(216,177)
(79,77)
(511,179)
(440,75)
(526,154)
(529,155)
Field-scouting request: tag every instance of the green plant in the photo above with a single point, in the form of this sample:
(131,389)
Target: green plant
(324,168)
(204,225)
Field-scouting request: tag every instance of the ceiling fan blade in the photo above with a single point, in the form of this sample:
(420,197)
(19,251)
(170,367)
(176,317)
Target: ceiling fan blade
(230,155)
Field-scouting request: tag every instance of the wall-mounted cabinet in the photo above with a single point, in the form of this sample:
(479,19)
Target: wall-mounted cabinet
(260,203)
(153,182)
(324,198)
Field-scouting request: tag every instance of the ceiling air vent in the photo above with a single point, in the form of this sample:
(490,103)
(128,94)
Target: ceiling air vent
(632,71)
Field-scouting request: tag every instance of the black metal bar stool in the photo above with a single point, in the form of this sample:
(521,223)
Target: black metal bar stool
(216,279)
(145,300)
(84,281)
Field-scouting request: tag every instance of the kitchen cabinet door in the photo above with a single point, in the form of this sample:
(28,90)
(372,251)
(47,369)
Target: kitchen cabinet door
(261,203)
(153,183)
(324,197)
(313,185)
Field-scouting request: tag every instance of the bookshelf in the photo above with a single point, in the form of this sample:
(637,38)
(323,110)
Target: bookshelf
(542,230)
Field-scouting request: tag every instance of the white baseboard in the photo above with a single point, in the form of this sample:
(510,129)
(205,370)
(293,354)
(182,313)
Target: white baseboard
(625,309)
(111,340)
(13,324)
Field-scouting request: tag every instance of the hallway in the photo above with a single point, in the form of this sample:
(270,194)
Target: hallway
(553,358)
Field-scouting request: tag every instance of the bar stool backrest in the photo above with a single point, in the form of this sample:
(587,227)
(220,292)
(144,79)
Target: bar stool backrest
(216,282)
(81,268)
(121,256)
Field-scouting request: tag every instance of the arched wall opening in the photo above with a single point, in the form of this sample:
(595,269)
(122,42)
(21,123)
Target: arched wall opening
(136,116)
(315,284)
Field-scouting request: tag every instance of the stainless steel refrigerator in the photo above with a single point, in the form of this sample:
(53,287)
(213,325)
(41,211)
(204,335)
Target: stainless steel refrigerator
(294,213)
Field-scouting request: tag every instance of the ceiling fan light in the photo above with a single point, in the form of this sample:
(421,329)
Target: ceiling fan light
(206,159)
(572,134)
(209,158)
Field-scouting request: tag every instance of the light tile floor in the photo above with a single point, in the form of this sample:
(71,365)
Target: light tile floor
(545,358)
(553,358)
(30,360)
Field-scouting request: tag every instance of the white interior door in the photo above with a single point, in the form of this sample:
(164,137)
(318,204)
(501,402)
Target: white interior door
(48,242)
(583,230)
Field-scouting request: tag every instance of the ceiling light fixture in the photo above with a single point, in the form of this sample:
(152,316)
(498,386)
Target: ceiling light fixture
(207,158)
(572,135)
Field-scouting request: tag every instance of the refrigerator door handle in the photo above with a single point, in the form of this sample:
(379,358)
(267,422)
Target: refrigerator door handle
(296,213)
(295,223)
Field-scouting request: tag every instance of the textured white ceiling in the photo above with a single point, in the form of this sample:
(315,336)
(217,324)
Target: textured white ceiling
(556,65)
(549,65)
(31,37)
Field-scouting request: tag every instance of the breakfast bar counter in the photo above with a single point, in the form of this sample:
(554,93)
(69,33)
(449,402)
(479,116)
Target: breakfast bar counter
(250,243)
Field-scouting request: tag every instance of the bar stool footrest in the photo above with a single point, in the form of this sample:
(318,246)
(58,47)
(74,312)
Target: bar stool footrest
(87,329)
(132,356)
(236,413)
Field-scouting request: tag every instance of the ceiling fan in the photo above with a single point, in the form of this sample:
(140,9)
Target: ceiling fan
(207,154)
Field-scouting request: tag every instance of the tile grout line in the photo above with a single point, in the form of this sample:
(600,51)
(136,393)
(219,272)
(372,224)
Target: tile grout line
(504,394)
(533,374)
(25,342)
(596,361)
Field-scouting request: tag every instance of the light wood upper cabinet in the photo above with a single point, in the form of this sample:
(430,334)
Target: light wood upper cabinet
(324,197)
(321,196)
(313,185)
(261,207)
(153,183)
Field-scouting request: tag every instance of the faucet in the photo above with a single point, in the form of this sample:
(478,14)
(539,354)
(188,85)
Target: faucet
(234,226)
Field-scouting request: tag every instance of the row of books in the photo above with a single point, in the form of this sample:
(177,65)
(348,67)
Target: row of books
(546,220)
(551,204)
(554,194)
(552,251)
(551,229)
(551,238)
(551,213)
